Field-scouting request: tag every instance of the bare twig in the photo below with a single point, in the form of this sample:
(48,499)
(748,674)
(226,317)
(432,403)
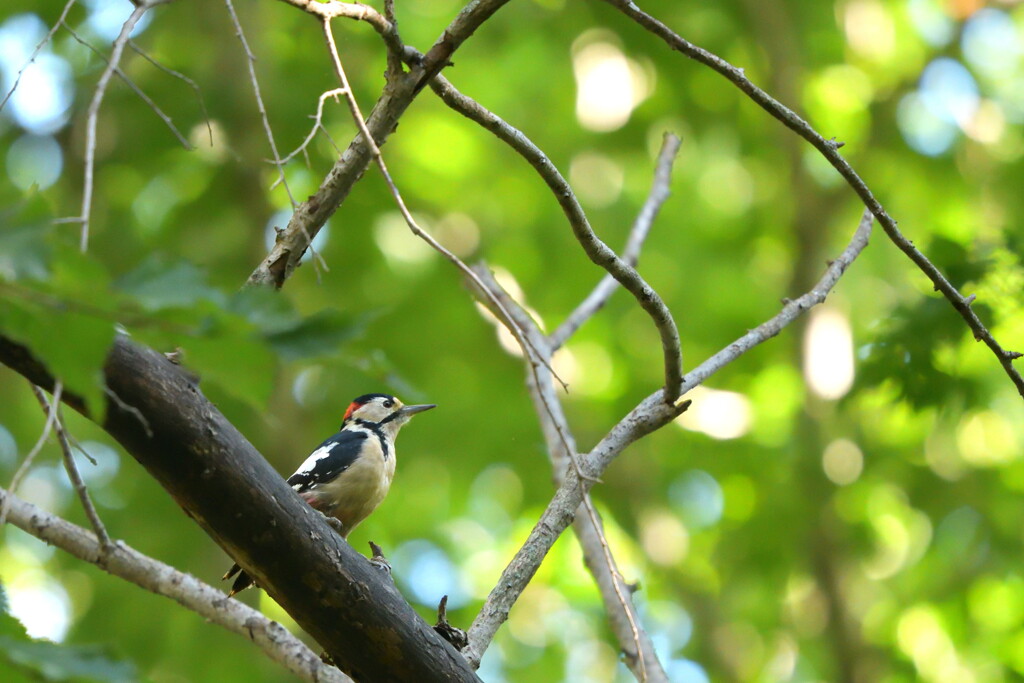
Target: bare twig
(35,53)
(93,115)
(631,253)
(318,261)
(829,149)
(177,74)
(382,24)
(561,447)
(136,89)
(317,125)
(157,577)
(597,251)
(378,158)
(132,410)
(311,214)
(20,473)
(650,414)
(251,63)
(72,469)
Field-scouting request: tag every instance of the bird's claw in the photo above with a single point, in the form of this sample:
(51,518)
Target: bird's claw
(378,560)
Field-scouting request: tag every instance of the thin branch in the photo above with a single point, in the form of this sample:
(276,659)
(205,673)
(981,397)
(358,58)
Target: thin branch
(20,473)
(35,53)
(72,469)
(396,97)
(358,12)
(206,601)
(93,115)
(597,251)
(251,63)
(634,243)
(177,74)
(561,446)
(357,116)
(136,89)
(650,414)
(317,125)
(830,150)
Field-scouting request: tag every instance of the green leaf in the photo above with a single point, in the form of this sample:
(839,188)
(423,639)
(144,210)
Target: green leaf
(157,284)
(24,254)
(73,345)
(43,660)
(268,310)
(322,334)
(79,277)
(231,354)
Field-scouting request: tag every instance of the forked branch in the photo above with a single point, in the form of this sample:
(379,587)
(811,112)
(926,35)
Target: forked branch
(649,415)
(829,149)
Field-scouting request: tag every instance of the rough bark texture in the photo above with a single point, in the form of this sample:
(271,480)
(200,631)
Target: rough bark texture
(350,607)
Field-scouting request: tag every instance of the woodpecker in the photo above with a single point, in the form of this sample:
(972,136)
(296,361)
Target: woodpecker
(348,475)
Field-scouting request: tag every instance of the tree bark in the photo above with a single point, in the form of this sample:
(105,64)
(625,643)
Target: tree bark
(353,610)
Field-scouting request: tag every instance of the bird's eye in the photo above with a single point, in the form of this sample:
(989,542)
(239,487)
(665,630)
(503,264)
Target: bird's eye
(388,403)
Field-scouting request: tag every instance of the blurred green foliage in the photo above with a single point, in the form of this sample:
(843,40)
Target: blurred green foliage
(872,532)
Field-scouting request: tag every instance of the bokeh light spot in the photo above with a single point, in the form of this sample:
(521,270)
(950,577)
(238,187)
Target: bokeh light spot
(698,497)
(923,130)
(428,573)
(869,29)
(991,43)
(596,179)
(949,91)
(34,160)
(41,605)
(608,84)
(664,537)
(106,17)
(8,448)
(987,439)
(842,461)
(719,414)
(828,353)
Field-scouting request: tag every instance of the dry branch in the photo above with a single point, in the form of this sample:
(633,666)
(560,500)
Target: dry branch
(829,149)
(561,447)
(650,414)
(206,601)
(227,487)
(596,250)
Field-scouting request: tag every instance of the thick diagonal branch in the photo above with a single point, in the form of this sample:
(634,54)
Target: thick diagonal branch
(399,92)
(227,487)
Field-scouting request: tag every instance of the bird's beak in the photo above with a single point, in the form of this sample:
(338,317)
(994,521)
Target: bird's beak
(409,411)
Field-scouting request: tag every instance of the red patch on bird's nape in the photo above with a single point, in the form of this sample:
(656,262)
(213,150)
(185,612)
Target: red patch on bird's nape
(351,409)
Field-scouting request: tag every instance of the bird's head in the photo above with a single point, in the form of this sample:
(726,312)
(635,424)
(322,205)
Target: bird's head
(382,409)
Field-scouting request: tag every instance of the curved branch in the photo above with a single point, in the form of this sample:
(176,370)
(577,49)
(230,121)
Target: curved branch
(634,243)
(129,564)
(597,251)
(830,150)
(650,414)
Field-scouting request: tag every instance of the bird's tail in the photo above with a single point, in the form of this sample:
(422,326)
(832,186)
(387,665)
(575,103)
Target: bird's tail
(242,582)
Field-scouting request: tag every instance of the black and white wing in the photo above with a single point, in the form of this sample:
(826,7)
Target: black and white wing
(331,458)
